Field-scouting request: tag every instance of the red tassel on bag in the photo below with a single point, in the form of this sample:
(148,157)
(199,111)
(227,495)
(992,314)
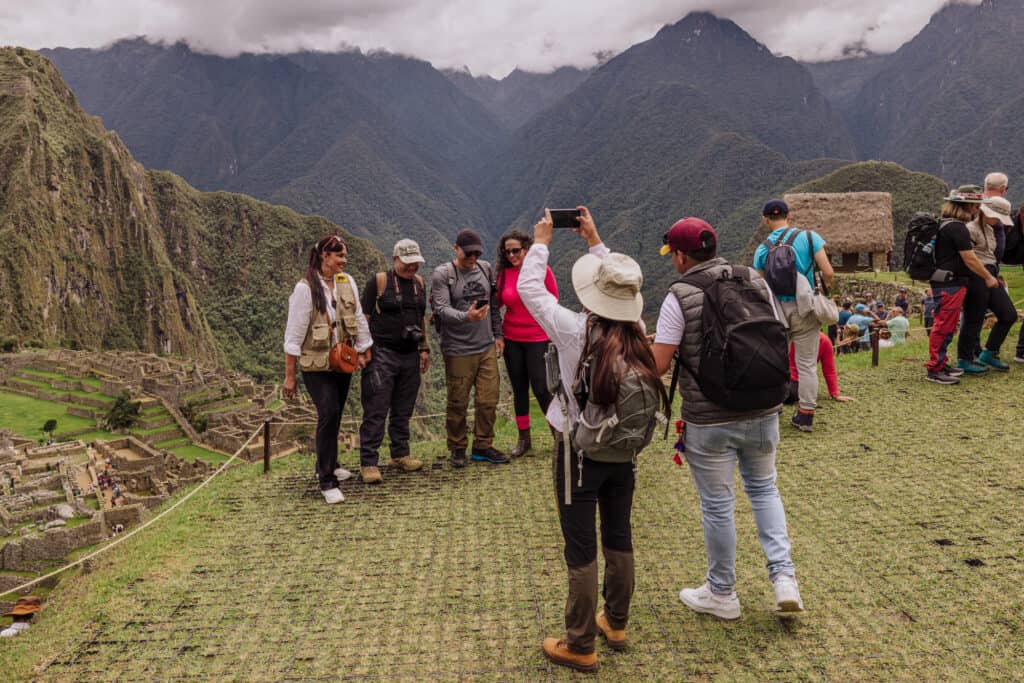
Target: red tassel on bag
(680,445)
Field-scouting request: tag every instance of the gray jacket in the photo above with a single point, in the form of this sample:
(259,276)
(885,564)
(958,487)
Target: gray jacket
(453,292)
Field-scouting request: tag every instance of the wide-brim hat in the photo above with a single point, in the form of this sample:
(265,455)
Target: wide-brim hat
(28,605)
(966,194)
(609,286)
(998,207)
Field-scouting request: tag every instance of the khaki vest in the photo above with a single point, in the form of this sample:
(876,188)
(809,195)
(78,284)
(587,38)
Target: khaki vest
(316,346)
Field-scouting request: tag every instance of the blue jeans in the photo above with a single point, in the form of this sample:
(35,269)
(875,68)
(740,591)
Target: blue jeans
(713,453)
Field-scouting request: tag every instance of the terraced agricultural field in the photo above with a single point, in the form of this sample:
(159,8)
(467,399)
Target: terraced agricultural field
(906,511)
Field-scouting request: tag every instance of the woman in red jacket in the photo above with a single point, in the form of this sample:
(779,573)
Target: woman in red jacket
(827,361)
(525,341)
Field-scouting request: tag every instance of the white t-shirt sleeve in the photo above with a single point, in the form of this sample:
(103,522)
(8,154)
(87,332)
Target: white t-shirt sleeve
(670,322)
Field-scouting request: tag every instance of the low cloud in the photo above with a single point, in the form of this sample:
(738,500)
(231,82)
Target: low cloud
(492,37)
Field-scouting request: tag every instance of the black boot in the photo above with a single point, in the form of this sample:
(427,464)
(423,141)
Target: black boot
(523,446)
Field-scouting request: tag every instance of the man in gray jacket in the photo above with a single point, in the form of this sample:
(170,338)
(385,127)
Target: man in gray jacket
(469,324)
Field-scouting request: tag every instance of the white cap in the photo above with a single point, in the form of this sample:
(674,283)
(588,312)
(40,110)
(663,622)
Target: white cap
(408,252)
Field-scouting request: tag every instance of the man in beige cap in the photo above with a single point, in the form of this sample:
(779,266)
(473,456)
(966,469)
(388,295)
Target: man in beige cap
(395,304)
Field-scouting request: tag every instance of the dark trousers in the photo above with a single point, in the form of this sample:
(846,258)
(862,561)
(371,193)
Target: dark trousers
(948,301)
(977,301)
(329,391)
(608,488)
(525,364)
(389,385)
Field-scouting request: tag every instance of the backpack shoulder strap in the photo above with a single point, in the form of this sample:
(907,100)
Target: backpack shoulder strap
(382,283)
(790,237)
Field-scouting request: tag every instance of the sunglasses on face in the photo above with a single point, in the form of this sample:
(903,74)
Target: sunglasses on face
(515,251)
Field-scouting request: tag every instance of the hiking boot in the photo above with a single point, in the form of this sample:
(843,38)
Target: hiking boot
(491,455)
(941,377)
(341,474)
(523,446)
(804,420)
(704,601)
(557,650)
(370,475)
(406,463)
(970,367)
(616,637)
(787,596)
(459,457)
(992,360)
(333,496)
(951,371)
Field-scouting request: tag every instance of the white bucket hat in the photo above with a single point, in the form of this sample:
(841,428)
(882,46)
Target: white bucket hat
(997,207)
(609,287)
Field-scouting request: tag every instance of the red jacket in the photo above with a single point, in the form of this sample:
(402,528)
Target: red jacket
(827,359)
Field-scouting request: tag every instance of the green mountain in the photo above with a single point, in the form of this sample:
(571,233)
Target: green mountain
(101,253)
(911,192)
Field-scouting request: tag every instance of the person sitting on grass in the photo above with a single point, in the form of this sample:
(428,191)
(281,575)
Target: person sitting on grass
(863,321)
(898,326)
(827,361)
(24,609)
(879,313)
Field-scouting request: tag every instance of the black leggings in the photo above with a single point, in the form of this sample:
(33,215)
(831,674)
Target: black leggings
(329,391)
(979,299)
(607,487)
(525,364)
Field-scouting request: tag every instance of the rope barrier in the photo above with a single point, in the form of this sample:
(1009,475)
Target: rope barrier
(131,533)
(355,420)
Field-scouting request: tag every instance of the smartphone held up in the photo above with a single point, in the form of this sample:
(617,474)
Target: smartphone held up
(565,218)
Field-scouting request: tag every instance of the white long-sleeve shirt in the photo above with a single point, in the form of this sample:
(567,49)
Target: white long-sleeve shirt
(300,309)
(566,329)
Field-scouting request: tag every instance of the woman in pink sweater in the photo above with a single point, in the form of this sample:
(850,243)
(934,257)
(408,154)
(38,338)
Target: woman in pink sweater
(525,341)
(827,360)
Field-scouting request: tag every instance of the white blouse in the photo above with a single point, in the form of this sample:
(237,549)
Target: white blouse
(300,310)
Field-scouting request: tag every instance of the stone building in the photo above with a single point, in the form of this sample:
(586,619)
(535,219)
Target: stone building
(857,226)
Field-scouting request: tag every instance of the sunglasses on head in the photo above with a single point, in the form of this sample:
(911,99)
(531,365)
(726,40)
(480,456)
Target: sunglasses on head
(332,243)
(514,251)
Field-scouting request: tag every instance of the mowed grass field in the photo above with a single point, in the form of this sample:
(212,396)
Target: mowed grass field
(906,512)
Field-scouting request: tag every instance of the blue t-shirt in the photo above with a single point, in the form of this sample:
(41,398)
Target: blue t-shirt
(863,322)
(804,260)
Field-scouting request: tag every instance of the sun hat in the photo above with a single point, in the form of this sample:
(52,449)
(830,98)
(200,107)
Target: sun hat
(997,207)
(609,286)
(469,241)
(966,194)
(28,605)
(408,252)
(688,234)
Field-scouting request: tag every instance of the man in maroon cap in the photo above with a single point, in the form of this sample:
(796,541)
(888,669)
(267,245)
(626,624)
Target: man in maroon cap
(716,437)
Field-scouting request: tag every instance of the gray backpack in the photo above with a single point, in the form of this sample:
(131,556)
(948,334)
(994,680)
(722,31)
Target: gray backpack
(616,432)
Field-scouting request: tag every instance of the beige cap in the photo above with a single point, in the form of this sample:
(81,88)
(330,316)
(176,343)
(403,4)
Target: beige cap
(408,252)
(609,286)
(997,207)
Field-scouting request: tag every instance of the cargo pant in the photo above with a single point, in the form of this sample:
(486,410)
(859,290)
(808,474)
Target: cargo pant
(804,333)
(389,385)
(479,373)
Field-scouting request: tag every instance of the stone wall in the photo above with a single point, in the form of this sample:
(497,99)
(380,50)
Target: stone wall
(31,554)
(129,516)
(854,289)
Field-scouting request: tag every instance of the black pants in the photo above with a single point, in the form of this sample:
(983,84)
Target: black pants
(525,364)
(329,391)
(607,487)
(390,384)
(977,301)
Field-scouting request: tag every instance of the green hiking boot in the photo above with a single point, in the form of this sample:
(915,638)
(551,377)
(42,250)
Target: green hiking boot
(970,367)
(992,360)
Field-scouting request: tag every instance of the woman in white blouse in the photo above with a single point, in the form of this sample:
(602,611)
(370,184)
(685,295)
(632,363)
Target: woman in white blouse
(323,309)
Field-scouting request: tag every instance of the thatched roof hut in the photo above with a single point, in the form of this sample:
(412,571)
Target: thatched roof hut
(852,223)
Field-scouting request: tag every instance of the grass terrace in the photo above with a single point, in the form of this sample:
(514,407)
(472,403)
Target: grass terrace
(26,416)
(906,511)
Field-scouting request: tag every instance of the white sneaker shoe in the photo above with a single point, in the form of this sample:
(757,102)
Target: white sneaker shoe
(341,474)
(787,596)
(703,600)
(333,496)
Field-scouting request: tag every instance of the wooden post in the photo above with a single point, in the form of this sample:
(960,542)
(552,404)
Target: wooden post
(266,446)
(874,347)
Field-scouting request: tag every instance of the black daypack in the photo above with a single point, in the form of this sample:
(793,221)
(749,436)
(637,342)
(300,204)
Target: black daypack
(919,246)
(744,355)
(780,263)
(1013,254)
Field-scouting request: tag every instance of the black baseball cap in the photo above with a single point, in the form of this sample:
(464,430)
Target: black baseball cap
(469,241)
(776,208)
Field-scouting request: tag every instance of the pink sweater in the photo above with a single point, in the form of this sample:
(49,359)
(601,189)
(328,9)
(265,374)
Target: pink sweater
(518,325)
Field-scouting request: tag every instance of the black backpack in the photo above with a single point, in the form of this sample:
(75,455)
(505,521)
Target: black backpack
(744,355)
(780,263)
(919,246)
(1013,255)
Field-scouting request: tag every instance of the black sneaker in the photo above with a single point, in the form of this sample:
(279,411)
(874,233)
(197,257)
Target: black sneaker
(942,378)
(951,371)
(804,421)
(459,457)
(491,455)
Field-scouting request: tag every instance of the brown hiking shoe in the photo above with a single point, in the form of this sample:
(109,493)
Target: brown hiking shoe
(616,637)
(406,464)
(557,650)
(370,475)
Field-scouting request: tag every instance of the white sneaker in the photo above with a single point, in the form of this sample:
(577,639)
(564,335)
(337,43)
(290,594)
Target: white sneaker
(333,496)
(341,474)
(787,595)
(703,600)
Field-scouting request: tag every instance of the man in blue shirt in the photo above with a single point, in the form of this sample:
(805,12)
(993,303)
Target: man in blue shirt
(804,330)
(862,319)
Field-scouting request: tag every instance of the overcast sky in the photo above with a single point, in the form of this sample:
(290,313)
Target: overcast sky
(488,36)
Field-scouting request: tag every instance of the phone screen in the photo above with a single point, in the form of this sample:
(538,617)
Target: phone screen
(480,303)
(565,218)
